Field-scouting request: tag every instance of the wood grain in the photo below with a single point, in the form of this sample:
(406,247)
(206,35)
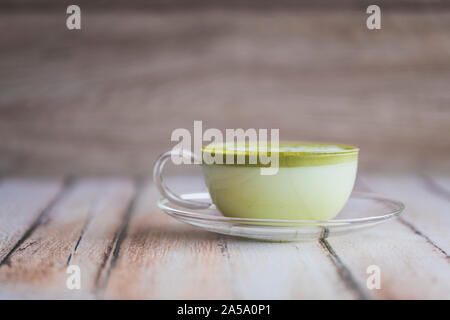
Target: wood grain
(285,271)
(81,230)
(22,203)
(169,260)
(410,267)
(409,251)
(127,248)
(426,211)
(172,260)
(107,98)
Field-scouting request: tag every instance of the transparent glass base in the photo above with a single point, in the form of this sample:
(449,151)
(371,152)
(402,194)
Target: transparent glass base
(362,211)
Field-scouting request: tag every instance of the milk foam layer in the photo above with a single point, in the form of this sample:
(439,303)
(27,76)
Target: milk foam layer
(294,193)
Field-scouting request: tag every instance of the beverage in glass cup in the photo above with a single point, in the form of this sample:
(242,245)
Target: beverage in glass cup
(313,181)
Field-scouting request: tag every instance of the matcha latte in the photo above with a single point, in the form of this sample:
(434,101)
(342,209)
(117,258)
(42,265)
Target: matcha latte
(313,182)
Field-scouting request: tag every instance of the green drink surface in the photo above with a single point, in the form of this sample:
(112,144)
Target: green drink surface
(290,154)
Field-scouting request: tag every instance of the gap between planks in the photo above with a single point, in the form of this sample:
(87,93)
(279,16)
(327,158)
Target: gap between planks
(411,266)
(113,249)
(432,187)
(67,184)
(118,239)
(158,248)
(342,270)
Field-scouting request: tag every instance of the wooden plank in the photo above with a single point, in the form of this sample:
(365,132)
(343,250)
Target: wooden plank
(411,266)
(426,210)
(173,260)
(168,259)
(95,252)
(22,203)
(284,271)
(81,229)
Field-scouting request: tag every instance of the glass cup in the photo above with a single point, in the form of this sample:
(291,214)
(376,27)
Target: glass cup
(313,181)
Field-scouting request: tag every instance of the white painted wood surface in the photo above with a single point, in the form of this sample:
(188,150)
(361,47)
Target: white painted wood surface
(412,252)
(127,248)
(21,204)
(80,229)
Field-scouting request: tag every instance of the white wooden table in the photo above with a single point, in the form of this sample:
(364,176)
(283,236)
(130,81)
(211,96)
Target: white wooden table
(127,248)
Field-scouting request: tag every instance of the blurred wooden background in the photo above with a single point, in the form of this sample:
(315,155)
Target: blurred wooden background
(106,99)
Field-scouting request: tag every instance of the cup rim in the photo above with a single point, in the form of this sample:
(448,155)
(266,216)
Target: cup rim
(315,149)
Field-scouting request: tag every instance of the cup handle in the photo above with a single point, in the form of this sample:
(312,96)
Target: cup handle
(165,191)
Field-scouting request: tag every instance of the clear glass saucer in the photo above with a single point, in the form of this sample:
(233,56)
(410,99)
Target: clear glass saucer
(362,211)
